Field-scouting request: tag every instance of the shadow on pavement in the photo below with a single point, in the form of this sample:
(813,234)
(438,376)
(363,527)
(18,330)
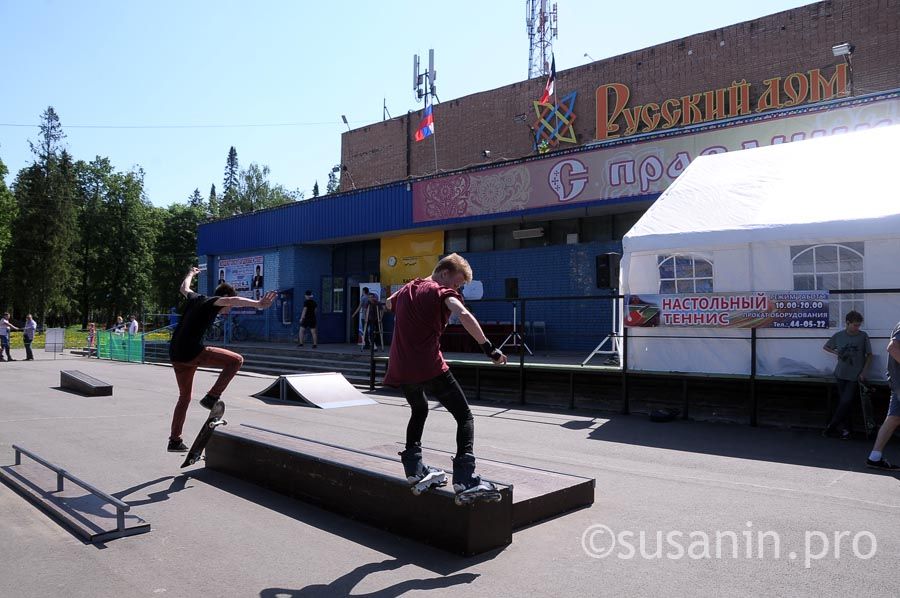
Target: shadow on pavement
(404,550)
(344,584)
(793,447)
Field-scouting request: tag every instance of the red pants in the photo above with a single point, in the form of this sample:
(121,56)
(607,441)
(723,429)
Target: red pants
(229,361)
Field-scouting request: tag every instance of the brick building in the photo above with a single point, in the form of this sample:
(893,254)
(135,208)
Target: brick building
(564,181)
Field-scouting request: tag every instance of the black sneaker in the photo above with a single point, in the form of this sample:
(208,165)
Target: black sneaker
(177,446)
(845,434)
(208,401)
(882,464)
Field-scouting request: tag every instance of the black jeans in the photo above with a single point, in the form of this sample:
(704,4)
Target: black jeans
(448,393)
(842,419)
(27,341)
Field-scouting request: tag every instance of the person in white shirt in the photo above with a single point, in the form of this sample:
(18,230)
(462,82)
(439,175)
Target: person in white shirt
(132,326)
(28,336)
(5,327)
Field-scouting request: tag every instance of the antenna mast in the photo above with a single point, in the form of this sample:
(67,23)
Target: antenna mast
(541,26)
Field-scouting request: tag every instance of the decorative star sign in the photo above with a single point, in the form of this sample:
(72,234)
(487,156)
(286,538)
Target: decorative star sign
(555,122)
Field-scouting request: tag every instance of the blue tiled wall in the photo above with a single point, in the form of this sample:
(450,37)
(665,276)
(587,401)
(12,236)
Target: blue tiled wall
(545,272)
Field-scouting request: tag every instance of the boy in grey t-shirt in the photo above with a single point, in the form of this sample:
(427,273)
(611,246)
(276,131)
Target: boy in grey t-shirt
(876,460)
(854,352)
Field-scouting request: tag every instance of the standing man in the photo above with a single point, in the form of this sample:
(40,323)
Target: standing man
(308,319)
(5,327)
(132,326)
(187,352)
(422,308)
(854,353)
(876,460)
(28,336)
(372,320)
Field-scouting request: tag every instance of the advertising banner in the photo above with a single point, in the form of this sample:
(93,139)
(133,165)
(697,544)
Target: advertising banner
(246,275)
(770,309)
(627,170)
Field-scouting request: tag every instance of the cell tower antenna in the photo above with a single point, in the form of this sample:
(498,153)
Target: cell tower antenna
(542,28)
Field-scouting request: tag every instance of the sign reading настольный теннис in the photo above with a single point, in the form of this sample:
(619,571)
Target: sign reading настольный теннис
(769,309)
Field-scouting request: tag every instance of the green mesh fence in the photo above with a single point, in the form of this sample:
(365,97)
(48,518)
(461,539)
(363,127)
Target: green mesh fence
(120,347)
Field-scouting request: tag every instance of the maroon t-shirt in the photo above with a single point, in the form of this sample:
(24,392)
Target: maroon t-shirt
(420,316)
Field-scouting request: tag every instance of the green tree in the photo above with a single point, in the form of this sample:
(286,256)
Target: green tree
(316,189)
(94,249)
(212,204)
(176,250)
(7,212)
(131,226)
(231,185)
(40,273)
(333,182)
(196,200)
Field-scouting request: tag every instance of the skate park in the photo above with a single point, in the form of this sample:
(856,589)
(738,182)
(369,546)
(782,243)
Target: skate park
(215,533)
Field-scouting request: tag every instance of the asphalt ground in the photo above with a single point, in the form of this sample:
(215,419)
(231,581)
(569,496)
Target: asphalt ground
(688,503)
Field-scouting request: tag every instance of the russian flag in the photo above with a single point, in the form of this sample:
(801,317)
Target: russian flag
(426,126)
(551,83)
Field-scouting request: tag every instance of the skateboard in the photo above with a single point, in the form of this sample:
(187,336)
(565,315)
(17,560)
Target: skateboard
(490,494)
(434,479)
(212,422)
(865,400)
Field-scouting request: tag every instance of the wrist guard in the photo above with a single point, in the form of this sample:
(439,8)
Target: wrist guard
(489,350)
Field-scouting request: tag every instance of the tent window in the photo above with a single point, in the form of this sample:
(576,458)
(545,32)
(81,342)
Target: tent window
(684,274)
(830,268)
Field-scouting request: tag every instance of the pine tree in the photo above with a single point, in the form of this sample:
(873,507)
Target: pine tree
(196,200)
(212,204)
(316,189)
(231,185)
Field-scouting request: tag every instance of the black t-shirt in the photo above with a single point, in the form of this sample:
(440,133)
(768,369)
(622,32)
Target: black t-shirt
(310,306)
(187,339)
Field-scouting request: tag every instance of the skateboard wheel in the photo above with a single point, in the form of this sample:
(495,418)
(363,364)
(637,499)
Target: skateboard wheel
(416,491)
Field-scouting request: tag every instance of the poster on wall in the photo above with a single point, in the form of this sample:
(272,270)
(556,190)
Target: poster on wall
(770,309)
(246,275)
(407,257)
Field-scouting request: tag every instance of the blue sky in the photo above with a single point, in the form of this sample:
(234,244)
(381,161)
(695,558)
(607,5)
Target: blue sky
(169,86)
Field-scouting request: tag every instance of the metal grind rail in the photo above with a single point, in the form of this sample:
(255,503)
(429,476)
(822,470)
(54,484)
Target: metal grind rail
(62,474)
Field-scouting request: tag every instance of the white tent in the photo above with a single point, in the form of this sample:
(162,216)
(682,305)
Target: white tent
(749,214)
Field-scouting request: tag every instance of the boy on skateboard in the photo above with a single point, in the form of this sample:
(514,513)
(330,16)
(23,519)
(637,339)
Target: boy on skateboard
(187,352)
(422,308)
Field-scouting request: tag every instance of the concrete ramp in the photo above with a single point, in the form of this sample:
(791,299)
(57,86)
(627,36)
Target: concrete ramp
(327,390)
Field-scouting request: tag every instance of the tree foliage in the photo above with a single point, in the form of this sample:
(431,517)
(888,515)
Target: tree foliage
(7,212)
(333,182)
(80,241)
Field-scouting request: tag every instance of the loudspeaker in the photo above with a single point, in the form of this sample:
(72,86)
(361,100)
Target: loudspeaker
(512,288)
(608,270)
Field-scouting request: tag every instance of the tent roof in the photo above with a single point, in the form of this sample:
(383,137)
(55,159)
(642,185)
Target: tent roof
(829,188)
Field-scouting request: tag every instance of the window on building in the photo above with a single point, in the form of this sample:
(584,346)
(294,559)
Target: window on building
(325,294)
(684,274)
(561,229)
(622,223)
(831,267)
(536,241)
(456,241)
(596,228)
(332,294)
(481,238)
(503,236)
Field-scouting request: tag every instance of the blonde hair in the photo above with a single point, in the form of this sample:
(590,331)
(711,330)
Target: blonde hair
(454,263)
